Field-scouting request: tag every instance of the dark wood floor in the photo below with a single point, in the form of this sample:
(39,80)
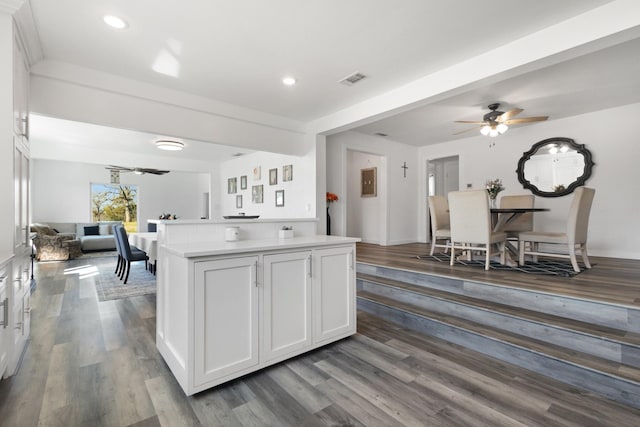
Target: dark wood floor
(610,279)
(92,363)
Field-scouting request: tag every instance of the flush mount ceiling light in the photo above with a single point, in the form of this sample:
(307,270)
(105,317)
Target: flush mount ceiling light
(169,145)
(288,81)
(115,22)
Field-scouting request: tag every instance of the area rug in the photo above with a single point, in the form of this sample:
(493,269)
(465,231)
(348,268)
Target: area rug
(546,267)
(97,254)
(110,287)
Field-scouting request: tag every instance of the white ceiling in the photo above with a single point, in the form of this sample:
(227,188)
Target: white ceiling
(238,52)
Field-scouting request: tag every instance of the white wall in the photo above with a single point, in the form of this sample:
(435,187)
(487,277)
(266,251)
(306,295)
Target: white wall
(299,193)
(398,213)
(364,214)
(60,192)
(612,137)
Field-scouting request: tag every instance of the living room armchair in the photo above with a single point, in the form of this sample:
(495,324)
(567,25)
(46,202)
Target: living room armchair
(51,246)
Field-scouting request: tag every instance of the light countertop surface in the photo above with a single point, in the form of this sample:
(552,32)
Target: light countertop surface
(201,249)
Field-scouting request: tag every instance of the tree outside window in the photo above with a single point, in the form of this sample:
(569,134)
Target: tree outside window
(111,202)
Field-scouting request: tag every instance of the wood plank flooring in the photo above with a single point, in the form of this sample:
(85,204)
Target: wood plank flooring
(92,363)
(611,279)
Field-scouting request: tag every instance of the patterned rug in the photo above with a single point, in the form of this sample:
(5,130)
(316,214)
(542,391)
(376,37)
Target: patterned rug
(547,267)
(109,286)
(98,254)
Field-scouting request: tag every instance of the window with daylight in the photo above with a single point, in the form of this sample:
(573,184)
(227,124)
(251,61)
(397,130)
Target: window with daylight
(115,202)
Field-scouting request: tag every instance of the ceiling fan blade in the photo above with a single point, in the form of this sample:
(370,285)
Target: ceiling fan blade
(119,168)
(507,115)
(468,130)
(471,122)
(154,171)
(526,120)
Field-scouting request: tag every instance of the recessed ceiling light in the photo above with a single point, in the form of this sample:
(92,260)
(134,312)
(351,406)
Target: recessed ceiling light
(169,145)
(115,22)
(289,81)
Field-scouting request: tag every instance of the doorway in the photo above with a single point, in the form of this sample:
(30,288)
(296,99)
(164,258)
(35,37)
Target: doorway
(442,177)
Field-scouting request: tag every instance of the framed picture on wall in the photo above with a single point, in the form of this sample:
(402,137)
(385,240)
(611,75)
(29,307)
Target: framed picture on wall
(256,193)
(232,185)
(273,176)
(368,182)
(257,173)
(239,201)
(287,173)
(280,198)
(243,182)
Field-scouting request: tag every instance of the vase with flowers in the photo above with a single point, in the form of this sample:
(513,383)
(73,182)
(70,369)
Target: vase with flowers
(331,198)
(494,186)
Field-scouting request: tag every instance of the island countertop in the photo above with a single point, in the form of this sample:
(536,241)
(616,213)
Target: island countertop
(202,249)
(229,221)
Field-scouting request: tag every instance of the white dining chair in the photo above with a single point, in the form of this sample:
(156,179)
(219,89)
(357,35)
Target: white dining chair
(439,212)
(574,238)
(470,222)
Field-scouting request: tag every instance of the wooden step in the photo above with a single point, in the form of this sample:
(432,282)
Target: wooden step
(611,379)
(606,314)
(601,341)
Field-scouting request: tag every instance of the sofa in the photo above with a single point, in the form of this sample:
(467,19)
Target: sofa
(93,236)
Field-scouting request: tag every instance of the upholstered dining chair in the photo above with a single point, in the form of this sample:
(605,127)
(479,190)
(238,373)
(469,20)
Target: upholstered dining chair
(523,222)
(471,228)
(439,212)
(574,237)
(129,254)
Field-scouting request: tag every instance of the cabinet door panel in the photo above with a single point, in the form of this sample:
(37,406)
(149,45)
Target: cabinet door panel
(226,318)
(334,293)
(4,319)
(287,303)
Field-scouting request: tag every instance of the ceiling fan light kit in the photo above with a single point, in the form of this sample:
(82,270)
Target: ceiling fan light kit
(496,122)
(169,145)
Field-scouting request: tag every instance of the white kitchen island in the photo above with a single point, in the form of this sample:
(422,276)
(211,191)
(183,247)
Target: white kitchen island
(225,309)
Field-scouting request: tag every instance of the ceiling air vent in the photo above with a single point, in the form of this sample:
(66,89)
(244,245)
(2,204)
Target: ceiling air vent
(352,79)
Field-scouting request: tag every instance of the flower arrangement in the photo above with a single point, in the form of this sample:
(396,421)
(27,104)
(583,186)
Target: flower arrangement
(331,197)
(494,187)
(168,216)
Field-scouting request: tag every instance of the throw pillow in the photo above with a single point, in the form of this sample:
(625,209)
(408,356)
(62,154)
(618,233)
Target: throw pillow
(105,229)
(93,230)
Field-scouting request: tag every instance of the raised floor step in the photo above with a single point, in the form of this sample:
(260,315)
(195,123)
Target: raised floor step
(606,314)
(611,379)
(601,341)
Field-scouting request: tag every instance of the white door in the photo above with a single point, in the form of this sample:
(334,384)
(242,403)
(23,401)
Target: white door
(4,322)
(287,303)
(334,304)
(226,318)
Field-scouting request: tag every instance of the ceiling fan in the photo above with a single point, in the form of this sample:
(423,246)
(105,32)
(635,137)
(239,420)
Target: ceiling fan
(138,171)
(497,122)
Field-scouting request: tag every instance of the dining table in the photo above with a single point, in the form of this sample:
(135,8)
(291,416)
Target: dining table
(147,242)
(500,219)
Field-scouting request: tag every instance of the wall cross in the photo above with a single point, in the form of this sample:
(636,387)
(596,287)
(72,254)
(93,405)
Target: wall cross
(405,167)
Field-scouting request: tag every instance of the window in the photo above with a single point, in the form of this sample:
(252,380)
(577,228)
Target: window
(113,202)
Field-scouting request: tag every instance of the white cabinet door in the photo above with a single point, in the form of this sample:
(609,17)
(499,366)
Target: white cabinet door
(225,318)
(5,311)
(333,293)
(287,303)
(20,90)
